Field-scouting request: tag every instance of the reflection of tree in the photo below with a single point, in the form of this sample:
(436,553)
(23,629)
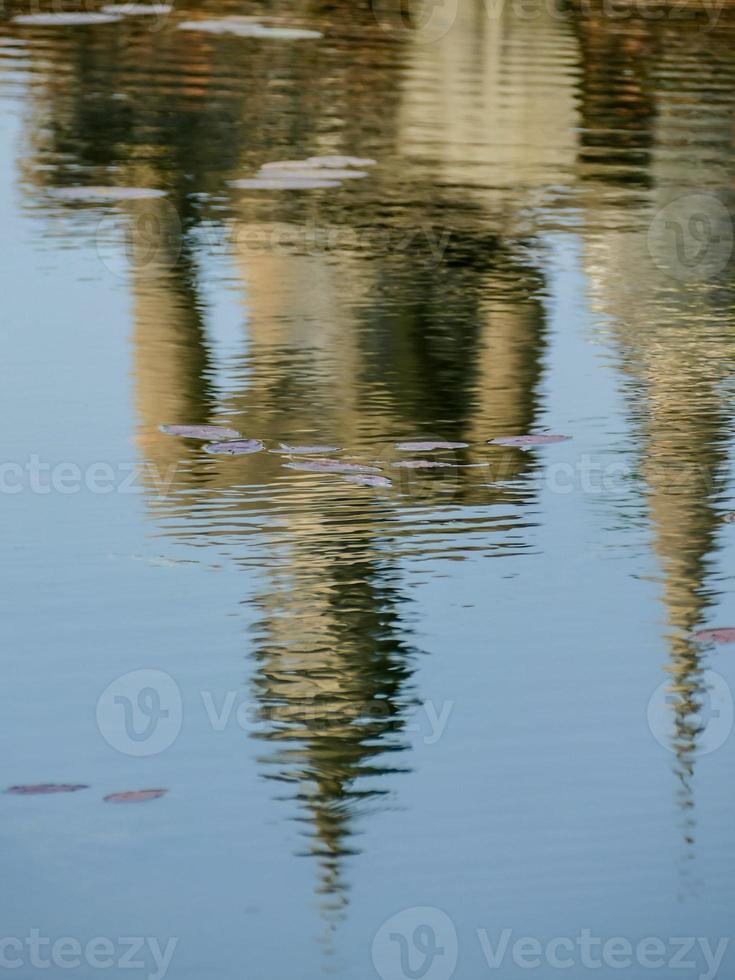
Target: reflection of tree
(674,338)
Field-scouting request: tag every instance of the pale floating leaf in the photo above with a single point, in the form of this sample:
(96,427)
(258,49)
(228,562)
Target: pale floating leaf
(105,193)
(200,431)
(330,466)
(80,19)
(283,183)
(539,440)
(340,162)
(421,447)
(138,9)
(308,450)
(310,173)
(369,480)
(236,447)
(421,464)
(246,27)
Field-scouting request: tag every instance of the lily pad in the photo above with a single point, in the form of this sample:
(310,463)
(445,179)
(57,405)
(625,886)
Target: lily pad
(64,20)
(722,634)
(330,466)
(246,27)
(296,450)
(425,447)
(200,431)
(540,440)
(369,480)
(138,9)
(135,796)
(42,788)
(237,447)
(105,193)
(283,182)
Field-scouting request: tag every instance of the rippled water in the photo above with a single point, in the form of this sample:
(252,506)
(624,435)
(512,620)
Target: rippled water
(474,690)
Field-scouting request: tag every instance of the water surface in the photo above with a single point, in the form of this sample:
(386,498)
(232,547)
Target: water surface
(473,691)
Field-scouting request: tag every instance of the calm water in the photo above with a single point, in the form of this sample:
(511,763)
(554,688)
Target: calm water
(475,691)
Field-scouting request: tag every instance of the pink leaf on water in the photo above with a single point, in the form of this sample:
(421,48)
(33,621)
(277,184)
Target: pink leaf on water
(722,634)
(39,788)
(135,796)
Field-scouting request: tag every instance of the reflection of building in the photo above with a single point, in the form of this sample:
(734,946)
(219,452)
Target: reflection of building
(479,107)
(672,332)
(359,343)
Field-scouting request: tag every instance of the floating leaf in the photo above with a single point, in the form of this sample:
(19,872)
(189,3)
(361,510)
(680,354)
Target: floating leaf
(295,450)
(722,634)
(284,165)
(283,183)
(200,431)
(64,20)
(421,447)
(105,193)
(540,440)
(330,466)
(247,27)
(340,162)
(729,518)
(310,173)
(39,788)
(368,480)
(138,9)
(135,796)
(237,447)
(420,464)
